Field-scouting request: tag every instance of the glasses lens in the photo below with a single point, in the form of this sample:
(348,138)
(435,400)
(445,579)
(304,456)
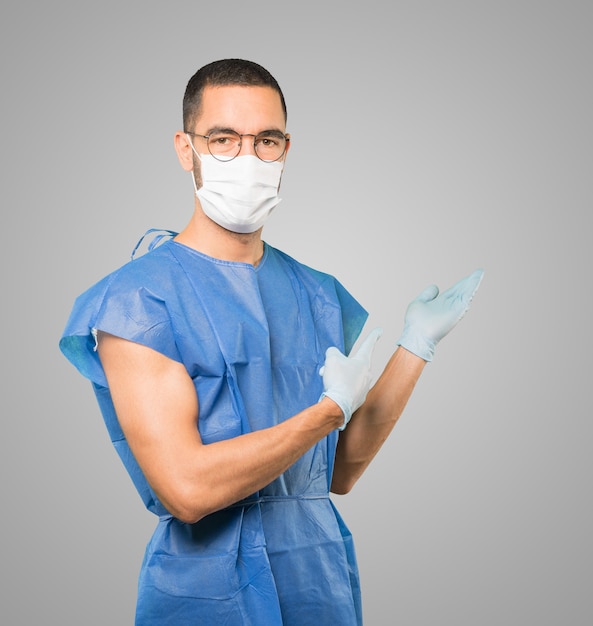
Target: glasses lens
(270,145)
(225,145)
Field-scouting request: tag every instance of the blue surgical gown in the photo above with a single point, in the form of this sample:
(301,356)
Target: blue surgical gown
(253,340)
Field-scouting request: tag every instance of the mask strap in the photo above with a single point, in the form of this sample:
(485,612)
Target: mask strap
(193,177)
(191,143)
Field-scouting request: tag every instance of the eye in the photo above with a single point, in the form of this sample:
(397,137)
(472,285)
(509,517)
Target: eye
(223,139)
(269,140)
(224,143)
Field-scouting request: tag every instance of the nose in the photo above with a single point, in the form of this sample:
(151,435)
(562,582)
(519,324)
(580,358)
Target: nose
(247,145)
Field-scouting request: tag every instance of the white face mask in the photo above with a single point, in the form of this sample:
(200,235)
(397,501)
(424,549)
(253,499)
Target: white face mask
(240,194)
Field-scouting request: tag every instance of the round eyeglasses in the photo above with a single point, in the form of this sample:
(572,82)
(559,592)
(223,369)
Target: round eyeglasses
(225,145)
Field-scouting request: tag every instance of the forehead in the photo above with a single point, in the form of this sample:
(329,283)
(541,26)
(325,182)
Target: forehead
(243,108)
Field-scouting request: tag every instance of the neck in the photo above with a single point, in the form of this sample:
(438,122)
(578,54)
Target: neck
(206,236)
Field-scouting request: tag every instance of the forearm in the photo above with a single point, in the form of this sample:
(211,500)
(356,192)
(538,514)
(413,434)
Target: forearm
(157,407)
(218,474)
(373,422)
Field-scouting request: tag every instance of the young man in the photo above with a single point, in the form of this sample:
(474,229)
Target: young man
(220,367)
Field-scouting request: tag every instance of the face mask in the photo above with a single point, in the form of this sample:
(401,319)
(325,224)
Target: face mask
(240,194)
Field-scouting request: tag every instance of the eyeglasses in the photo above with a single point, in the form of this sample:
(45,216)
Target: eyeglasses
(225,145)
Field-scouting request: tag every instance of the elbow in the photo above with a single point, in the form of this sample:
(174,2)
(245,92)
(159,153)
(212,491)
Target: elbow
(183,505)
(345,476)
(191,496)
(187,516)
(185,512)
(341,487)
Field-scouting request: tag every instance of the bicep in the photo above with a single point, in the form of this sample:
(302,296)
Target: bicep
(157,407)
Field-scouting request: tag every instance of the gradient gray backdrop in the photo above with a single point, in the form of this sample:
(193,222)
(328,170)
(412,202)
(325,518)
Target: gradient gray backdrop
(429,138)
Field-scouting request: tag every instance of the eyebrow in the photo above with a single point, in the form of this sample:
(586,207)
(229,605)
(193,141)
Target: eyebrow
(224,129)
(220,129)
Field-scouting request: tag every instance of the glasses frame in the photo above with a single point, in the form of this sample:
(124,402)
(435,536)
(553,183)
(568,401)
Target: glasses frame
(241,135)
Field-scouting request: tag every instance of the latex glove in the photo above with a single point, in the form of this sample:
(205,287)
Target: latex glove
(431,316)
(347,379)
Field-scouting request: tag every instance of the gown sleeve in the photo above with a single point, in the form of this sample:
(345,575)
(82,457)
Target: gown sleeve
(354,316)
(329,296)
(122,304)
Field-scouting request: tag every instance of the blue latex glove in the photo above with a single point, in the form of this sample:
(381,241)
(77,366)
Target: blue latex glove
(346,380)
(431,316)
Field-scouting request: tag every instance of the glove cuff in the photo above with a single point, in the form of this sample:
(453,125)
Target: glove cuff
(418,345)
(341,403)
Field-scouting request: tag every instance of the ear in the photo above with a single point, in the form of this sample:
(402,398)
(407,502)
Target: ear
(184,150)
(287,144)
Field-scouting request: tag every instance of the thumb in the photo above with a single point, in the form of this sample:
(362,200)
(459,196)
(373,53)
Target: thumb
(365,351)
(332,352)
(430,293)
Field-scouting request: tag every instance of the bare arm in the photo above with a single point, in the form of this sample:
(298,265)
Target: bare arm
(374,420)
(429,317)
(157,407)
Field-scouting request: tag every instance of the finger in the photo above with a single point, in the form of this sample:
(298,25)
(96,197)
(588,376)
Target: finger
(430,293)
(333,352)
(465,289)
(474,281)
(368,345)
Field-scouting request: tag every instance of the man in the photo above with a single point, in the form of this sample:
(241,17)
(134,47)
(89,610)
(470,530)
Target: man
(220,367)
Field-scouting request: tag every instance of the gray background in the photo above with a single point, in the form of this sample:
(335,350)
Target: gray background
(429,138)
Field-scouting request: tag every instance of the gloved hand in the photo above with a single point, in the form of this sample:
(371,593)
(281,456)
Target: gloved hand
(346,380)
(431,316)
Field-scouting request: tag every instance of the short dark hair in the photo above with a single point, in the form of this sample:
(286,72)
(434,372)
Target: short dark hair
(222,73)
